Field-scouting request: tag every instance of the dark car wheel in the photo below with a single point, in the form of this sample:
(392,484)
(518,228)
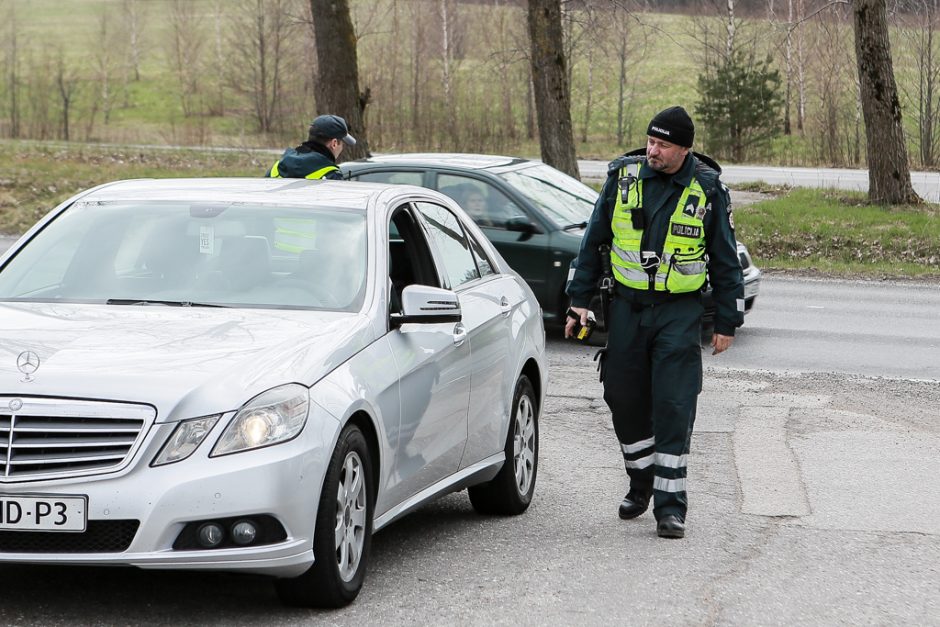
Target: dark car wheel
(510,491)
(343,532)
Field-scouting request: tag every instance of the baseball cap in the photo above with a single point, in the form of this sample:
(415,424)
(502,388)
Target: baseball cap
(332,127)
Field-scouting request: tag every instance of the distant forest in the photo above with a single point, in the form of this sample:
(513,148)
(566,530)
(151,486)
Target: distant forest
(454,75)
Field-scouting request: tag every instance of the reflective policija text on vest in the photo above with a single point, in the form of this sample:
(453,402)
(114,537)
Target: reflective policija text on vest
(316,174)
(680,266)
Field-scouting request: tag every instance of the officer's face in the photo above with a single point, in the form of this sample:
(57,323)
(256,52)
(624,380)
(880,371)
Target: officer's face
(663,156)
(336,147)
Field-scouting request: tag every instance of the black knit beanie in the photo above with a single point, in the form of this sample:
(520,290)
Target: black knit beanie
(673,125)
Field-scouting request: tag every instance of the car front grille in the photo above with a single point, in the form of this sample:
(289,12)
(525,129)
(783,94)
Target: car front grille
(101,536)
(42,438)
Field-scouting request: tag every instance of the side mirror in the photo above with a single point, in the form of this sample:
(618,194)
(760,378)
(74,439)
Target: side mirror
(423,304)
(521,224)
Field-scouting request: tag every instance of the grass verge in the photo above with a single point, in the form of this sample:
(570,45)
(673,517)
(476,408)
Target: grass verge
(37,177)
(836,233)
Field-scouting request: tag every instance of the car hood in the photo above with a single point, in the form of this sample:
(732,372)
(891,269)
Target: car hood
(184,361)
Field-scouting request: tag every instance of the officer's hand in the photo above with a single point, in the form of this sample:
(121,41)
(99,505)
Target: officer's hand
(570,322)
(721,343)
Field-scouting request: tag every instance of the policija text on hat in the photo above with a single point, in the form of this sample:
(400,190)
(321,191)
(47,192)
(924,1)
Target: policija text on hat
(663,226)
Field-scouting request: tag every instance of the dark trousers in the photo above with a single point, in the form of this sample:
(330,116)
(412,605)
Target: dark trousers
(652,378)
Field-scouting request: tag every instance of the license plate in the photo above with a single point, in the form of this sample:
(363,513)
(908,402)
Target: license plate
(43,513)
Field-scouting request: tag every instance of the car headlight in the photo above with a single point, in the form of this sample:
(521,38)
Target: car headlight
(272,417)
(185,439)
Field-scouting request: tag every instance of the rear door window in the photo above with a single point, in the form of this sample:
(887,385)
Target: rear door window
(395,178)
(488,206)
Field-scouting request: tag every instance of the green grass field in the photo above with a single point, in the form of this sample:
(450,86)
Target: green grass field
(37,177)
(835,233)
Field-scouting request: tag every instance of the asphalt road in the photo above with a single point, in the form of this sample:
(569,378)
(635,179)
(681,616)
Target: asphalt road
(927,184)
(870,328)
(813,496)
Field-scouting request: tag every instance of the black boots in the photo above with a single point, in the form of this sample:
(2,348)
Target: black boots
(670,526)
(634,504)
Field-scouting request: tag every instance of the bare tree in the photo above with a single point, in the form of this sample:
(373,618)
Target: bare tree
(219,60)
(12,65)
(185,50)
(919,32)
(261,30)
(628,45)
(800,68)
(133,15)
(730,26)
(889,177)
(447,13)
(338,85)
(66,82)
(550,82)
(104,62)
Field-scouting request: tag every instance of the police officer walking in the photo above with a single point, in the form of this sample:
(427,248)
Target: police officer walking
(664,220)
(316,157)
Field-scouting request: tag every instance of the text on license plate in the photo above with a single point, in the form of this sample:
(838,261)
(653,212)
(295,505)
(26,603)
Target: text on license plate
(43,513)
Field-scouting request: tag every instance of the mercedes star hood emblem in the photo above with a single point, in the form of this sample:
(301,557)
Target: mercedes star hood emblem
(27,362)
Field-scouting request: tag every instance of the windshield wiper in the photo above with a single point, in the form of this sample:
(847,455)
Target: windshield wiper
(576,225)
(168,303)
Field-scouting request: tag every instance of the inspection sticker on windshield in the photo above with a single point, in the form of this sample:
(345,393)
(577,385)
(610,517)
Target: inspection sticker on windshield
(43,513)
(206,240)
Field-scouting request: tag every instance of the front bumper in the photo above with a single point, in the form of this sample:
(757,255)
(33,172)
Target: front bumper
(282,481)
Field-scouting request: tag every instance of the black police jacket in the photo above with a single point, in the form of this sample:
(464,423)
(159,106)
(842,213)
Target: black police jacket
(660,196)
(297,163)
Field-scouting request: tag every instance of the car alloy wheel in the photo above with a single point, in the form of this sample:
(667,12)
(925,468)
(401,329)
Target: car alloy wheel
(511,490)
(523,444)
(343,531)
(350,516)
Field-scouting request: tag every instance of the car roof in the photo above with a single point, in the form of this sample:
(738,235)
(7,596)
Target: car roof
(451,160)
(262,190)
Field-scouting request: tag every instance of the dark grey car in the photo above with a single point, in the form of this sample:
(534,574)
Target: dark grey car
(534,214)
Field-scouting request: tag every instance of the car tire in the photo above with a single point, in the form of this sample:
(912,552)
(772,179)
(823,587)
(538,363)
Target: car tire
(510,492)
(345,510)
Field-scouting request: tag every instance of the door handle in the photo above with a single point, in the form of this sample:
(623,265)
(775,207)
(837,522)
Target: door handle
(504,307)
(460,334)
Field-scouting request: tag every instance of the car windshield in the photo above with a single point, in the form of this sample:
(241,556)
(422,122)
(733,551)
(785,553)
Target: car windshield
(191,254)
(563,199)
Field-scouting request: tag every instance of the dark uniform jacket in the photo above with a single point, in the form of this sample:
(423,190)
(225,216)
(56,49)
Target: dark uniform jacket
(660,197)
(306,158)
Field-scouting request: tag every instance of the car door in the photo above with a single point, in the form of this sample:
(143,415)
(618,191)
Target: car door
(526,252)
(434,364)
(488,302)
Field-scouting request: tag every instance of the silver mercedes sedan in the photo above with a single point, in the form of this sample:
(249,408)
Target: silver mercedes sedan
(255,375)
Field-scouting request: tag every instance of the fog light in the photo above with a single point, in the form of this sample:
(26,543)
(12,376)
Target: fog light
(210,535)
(244,532)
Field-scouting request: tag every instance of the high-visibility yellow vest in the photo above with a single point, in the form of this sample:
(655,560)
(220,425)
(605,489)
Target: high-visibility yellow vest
(316,174)
(294,235)
(681,264)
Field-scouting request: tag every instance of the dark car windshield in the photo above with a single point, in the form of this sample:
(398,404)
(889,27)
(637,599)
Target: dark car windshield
(186,254)
(564,200)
